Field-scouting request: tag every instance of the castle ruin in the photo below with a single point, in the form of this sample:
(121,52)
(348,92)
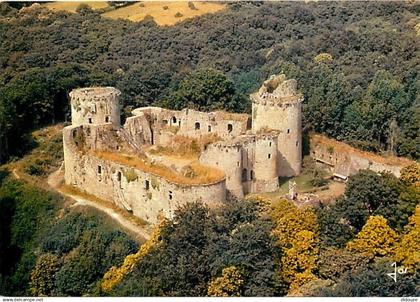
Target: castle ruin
(122,164)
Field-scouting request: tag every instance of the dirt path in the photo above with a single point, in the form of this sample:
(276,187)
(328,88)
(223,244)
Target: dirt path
(15,174)
(55,179)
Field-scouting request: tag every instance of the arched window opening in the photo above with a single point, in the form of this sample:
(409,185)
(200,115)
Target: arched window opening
(119,176)
(107,119)
(197,126)
(147,185)
(209,128)
(90,120)
(230,128)
(174,119)
(288,131)
(252,175)
(269,155)
(170,195)
(99,169)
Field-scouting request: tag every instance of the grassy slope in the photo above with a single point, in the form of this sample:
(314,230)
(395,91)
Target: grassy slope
(138,11)
(162,12)
(72,6)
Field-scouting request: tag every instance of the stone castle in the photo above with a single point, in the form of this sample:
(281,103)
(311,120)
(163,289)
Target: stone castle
(122,164)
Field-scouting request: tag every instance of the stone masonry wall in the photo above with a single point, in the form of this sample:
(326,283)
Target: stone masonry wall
(346,160)
(249,162)
(95,105)
(145,194)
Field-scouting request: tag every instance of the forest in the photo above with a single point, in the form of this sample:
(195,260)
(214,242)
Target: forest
(357,65)
(253,247)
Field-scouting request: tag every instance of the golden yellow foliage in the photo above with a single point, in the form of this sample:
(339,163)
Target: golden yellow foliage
(301,257)
(228,285)
(375,239)
(407,251)
(417,29)
(296,231)
(410,174)
(299,280)
(323,58)
(290,220)
(116,274)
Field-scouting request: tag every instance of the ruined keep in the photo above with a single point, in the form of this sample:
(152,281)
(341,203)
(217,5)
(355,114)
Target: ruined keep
(278,106)
(122,164)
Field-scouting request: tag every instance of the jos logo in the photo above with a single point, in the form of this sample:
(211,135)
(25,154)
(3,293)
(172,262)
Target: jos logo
(401,270)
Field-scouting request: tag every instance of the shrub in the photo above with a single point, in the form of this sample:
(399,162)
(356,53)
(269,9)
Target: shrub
(130,175)
(191,5)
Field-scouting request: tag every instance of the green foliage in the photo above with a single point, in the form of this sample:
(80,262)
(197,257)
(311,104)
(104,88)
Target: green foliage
(88,246)
(155,183)
(368,193)
(43,275)
(367,44)
(75,251)
(84,8)
(33,98)
(374,118)
(372,281)
(198,244)
(329,95)
(26,213)
(130,175)
(334,263)
(334,230)
(206,90)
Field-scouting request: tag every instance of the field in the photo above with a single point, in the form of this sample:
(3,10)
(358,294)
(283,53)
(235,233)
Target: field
(164,13)
(71,6)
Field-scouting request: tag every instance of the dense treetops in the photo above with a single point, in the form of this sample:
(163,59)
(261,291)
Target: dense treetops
(355,64)
(245,248)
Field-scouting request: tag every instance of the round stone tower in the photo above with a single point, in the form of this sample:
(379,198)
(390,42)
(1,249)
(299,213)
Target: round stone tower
(278,106)
(95,105)
(265,164)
